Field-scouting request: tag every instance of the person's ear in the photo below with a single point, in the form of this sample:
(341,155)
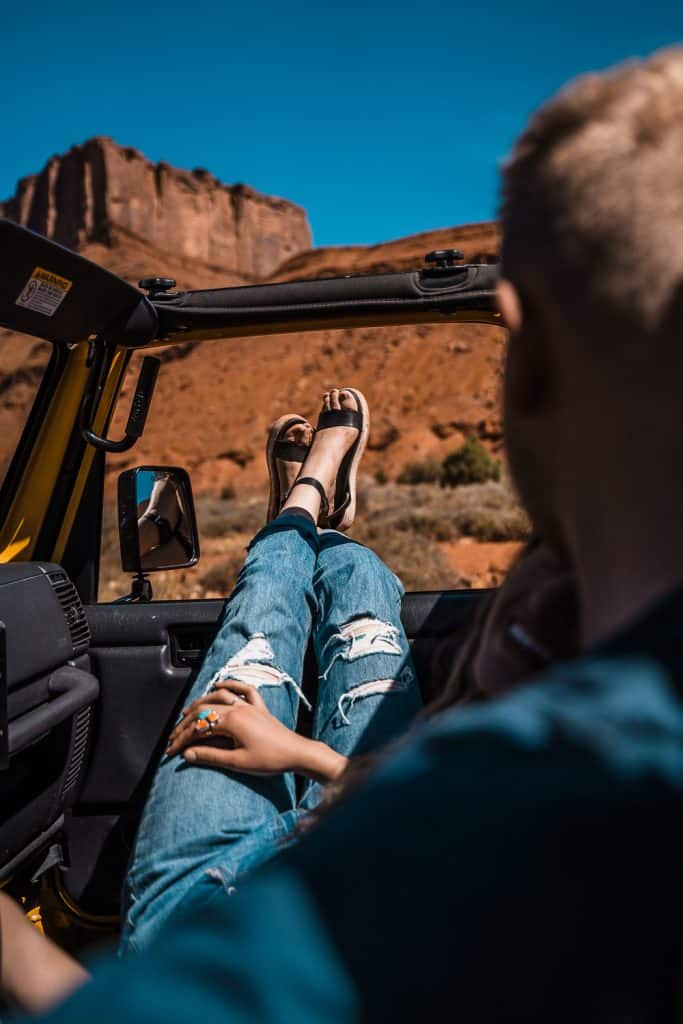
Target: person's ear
(528,376)
(509,304)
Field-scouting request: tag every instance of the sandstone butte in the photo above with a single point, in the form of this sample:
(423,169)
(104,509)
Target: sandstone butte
(101,192)
(428,386)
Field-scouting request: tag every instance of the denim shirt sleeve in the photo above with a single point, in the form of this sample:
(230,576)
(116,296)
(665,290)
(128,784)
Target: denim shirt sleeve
(519,861)
(516,862)
(260,959)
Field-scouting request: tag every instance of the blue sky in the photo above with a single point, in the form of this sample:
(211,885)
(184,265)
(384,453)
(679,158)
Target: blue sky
(382,119)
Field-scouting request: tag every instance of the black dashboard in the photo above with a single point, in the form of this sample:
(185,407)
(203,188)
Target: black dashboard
(47,692)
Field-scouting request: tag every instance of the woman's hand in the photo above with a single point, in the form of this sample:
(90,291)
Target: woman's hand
(261,744)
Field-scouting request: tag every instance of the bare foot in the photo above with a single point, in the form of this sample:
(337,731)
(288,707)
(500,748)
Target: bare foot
(324,459)
(34,972)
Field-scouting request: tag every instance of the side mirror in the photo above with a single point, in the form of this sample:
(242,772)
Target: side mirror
(157,522)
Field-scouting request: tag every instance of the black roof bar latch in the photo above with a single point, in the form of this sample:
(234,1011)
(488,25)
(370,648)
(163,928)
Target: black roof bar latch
(444,258)
(156,287)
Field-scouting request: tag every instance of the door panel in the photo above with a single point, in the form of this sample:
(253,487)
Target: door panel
(139,652)
(140,696)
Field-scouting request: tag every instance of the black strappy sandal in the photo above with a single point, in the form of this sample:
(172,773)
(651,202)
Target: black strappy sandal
(344,507)
(287,451)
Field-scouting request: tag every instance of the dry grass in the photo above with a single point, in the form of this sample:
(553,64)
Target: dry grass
(404,524)
(218,517)
(221,575)
(486,512)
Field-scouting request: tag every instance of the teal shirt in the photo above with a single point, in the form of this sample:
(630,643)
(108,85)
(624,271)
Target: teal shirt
(517,861)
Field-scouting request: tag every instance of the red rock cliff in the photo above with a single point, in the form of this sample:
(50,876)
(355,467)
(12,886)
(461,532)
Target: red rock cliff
(99,190)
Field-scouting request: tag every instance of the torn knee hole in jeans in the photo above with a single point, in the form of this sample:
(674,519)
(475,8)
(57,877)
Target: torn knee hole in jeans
(361,637)
(372,689)
(254,664)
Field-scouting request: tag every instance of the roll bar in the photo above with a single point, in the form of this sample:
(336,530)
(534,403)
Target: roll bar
(54,293)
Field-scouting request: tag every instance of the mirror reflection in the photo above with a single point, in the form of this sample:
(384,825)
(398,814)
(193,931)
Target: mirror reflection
(164,521)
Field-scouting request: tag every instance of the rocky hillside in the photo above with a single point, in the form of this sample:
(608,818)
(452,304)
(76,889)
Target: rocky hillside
(479,242)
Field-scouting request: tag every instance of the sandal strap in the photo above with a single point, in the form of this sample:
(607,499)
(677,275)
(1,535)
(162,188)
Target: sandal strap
(312,482)
(290,451)
(340,418)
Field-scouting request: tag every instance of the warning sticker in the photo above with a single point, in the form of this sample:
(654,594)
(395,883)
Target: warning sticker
(44,292)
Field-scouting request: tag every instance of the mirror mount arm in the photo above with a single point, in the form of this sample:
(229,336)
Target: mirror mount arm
(141,591)
(142,399)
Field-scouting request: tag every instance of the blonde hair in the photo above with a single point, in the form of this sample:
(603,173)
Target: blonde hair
(593,191)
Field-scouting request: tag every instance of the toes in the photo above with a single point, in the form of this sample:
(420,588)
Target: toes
(300,433)
(334,399)
(347,400)
(326,401)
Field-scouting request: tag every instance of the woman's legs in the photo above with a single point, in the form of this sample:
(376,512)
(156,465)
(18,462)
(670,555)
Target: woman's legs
(198,819)
(195,815)
(368,691)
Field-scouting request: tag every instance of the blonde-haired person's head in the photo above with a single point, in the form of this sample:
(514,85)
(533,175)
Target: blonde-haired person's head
(592,292)
(593,191)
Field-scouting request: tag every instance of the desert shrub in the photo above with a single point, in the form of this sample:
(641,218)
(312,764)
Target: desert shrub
(426,472)
(426,523)
(381,477)
(487,512)
(219,518)
(228,493)
(494,525)
(220,577)
(418,562)
(469,464)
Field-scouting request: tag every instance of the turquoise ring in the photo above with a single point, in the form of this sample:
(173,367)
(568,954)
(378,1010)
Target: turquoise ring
(207,720)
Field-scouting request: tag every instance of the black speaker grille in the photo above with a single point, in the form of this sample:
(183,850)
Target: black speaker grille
(74,614)
(80,744)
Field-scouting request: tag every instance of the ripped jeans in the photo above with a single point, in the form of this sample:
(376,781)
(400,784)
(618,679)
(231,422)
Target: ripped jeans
(296,584)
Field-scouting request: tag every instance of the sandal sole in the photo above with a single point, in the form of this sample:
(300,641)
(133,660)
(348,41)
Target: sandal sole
(358,450)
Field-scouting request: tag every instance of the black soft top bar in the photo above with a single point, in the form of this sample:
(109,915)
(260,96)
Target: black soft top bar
(461,293)
(54,293)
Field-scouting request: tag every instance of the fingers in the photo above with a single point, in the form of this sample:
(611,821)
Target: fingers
(181,736)
(187,731)
(190,713)
(247,691)
(220,691)
(216,756)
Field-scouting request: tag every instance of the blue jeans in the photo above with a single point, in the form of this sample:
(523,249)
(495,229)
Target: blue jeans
(296,583)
